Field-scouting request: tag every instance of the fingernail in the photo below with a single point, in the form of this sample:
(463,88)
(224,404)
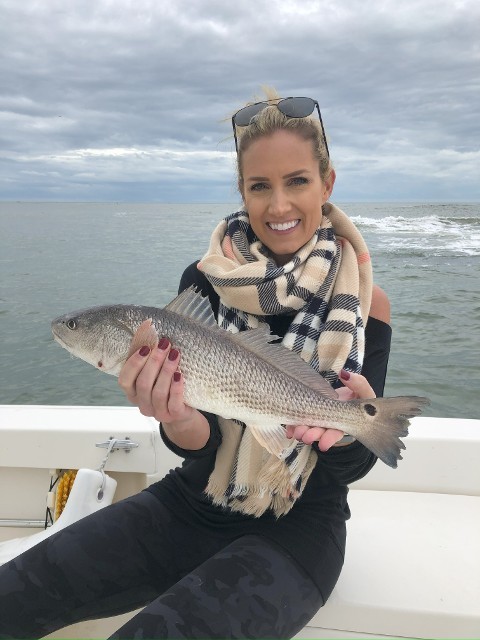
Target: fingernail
(144,351)
(173,355)
(177,376)
(344,375)
(163,344)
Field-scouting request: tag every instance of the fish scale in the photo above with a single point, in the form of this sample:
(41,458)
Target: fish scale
(236,375)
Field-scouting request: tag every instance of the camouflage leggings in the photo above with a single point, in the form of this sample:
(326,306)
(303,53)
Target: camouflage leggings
(126,556)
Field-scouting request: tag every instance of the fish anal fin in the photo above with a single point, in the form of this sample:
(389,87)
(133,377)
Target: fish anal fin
(272,438)
(145,335)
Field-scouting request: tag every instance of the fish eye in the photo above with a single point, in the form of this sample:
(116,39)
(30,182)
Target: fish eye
(71,324)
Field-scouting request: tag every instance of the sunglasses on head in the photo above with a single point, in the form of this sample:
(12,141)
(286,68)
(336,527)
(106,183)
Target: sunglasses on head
(290,107)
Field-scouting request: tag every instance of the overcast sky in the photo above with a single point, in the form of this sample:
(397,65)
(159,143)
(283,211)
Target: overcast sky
(125,100)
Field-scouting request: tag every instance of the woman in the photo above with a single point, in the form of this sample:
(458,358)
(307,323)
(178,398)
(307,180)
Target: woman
(237,543)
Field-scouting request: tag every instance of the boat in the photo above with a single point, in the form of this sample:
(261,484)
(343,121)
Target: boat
(412,566)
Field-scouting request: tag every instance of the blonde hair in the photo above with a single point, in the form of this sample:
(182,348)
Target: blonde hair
(270,120)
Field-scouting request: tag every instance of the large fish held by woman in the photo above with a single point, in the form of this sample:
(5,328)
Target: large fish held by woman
(236,375)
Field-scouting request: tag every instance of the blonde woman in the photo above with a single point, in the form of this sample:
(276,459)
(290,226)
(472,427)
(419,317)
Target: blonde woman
(238,542)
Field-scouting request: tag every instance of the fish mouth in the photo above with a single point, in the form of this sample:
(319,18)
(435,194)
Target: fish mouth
(283,226)
(60,340)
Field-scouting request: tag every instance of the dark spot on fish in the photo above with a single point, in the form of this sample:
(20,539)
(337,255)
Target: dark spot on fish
(100,364)
(370,409)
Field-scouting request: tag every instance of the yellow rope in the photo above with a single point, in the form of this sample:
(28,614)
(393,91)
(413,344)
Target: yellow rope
(64,487)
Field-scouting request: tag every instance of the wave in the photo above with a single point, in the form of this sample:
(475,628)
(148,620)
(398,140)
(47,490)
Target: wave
(417,224)
(440,235)
(469,220)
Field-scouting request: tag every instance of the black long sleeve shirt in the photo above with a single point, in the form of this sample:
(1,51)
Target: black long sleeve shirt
(322,509)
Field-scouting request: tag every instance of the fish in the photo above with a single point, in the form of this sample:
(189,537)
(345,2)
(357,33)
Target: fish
(245,376)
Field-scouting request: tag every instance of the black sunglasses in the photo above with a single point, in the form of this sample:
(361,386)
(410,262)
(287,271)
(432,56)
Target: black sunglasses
(290,107)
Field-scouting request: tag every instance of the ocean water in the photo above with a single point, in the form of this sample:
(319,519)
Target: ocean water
(57,257)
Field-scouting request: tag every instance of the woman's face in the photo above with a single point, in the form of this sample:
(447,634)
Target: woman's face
(283,192)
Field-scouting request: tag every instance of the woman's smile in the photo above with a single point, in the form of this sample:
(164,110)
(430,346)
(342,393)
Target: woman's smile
(283,227)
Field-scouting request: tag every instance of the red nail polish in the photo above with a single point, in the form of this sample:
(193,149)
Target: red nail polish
(163,344)
(173,355)
(177,376)
(144,351)
(344,375)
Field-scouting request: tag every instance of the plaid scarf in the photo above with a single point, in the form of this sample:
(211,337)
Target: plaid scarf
(326,287)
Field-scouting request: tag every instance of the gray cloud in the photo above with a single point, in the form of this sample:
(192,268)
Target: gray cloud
(126,101)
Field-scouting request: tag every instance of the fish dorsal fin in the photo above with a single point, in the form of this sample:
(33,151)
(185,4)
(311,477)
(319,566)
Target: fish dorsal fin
(288,362)
(192,304)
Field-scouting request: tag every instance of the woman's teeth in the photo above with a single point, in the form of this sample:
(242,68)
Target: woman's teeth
(283,226)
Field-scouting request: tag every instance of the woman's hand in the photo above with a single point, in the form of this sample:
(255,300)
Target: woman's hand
(356,386)
(151,380)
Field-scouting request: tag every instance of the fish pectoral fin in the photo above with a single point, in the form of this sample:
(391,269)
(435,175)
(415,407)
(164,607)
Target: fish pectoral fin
(272,438)
(145,335)
(191,304)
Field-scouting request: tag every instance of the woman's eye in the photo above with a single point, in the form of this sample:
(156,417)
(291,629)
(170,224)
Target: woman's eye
(299,180)
(258,186)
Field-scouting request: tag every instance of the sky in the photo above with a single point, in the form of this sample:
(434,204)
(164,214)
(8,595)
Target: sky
(129,100)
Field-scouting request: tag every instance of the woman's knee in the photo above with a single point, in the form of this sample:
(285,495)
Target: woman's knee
(250,589)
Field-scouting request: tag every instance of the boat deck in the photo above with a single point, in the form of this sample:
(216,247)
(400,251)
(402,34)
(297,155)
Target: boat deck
(413,559)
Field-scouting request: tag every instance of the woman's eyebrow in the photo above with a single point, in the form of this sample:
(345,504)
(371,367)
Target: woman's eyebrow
(288,175)
(295,173)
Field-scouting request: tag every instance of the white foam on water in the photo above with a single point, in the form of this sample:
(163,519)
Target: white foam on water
(446,235)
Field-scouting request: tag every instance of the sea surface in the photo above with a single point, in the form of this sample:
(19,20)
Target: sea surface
(57,257)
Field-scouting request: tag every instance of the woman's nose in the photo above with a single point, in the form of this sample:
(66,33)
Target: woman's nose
(279,202)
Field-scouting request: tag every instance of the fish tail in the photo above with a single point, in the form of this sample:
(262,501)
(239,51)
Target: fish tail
(387,421)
